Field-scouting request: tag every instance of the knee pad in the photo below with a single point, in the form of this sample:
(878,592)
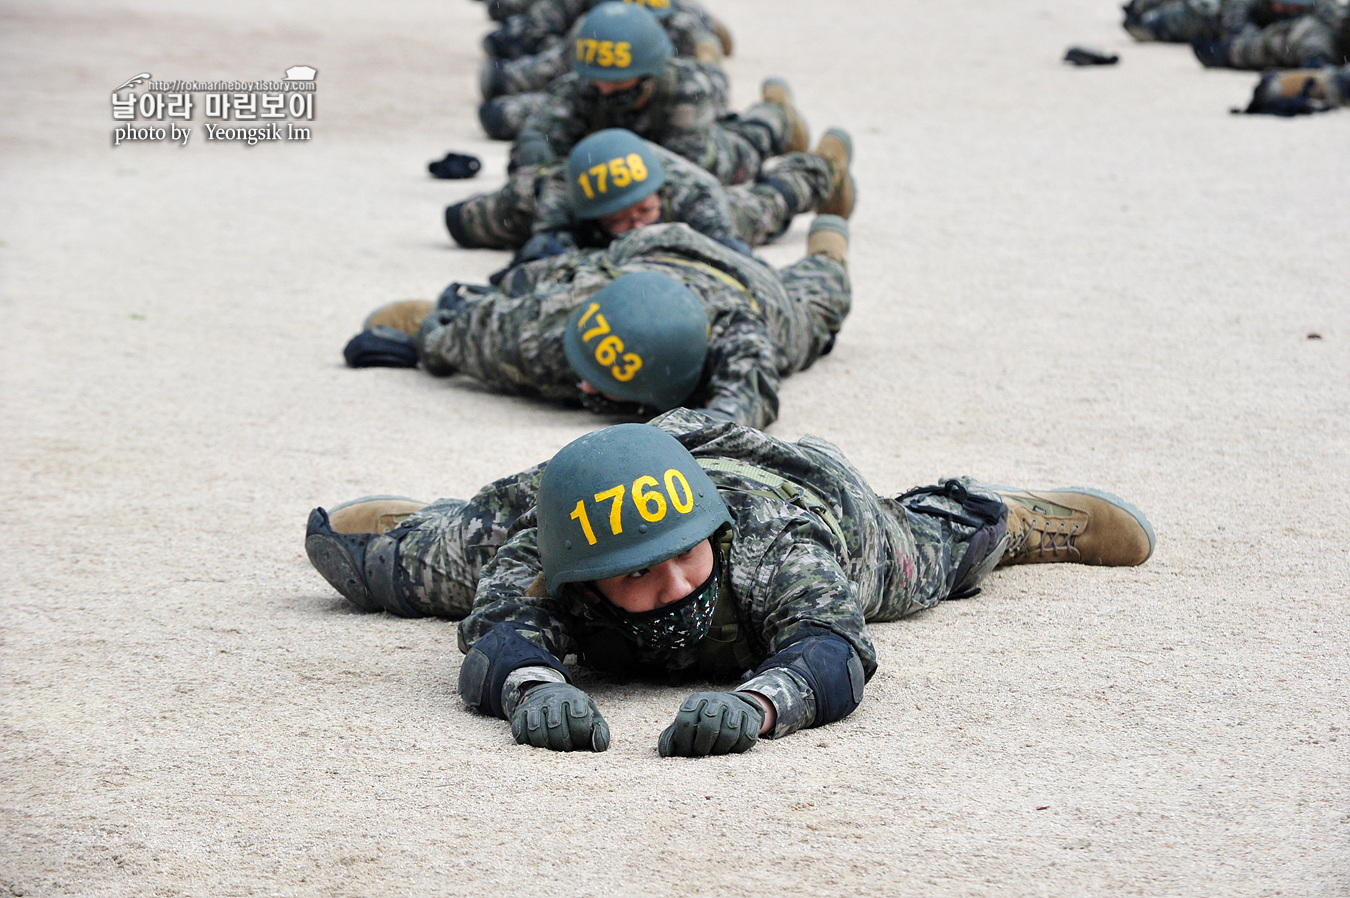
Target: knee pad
(829,665)
(492,659)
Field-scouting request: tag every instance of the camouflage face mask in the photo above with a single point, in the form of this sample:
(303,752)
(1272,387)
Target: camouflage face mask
(671,627)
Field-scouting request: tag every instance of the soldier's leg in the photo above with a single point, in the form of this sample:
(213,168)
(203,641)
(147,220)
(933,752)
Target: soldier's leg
(1173,21)
(742,143)
(945,539)
(819,290)
(1305,42)
(508,77)
(512,344)
(502,117)
(787,186)
(500,220)
(428,563)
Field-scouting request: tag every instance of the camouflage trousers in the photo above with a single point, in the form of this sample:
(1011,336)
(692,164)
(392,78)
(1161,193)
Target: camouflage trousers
(787,186)
(1291,44)
(505,218)
(532,73)
(444,547)
(1174,21)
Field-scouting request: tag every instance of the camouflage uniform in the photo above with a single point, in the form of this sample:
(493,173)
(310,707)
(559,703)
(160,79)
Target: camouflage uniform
(536,200)
(1296,42)
(764,323)
(1173,21)
(836,556)
(1257,37)
(685,113)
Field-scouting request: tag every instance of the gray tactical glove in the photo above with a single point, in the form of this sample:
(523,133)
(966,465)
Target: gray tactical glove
(713,723)
(560,717)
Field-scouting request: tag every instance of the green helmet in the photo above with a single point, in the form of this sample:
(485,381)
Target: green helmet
(643,338)
(619,500)
(618,41)
(659,8)
(611,170)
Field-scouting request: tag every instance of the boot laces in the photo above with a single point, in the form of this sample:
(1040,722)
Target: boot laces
(1054,536)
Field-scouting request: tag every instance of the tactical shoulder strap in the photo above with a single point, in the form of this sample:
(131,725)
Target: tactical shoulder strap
(715,272)
(778,487)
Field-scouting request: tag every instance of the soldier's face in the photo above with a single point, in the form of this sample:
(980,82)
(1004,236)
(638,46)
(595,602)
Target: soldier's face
(614,87)
(657,586)
(646,211)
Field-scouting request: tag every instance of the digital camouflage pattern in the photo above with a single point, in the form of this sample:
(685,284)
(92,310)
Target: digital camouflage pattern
(764,323)
(690,29)
(1259,37)
(535,200)
(685,113)
(1286,43)
(786,568)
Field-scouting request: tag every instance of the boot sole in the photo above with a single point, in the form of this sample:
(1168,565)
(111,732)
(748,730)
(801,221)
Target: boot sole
(1110,498)
(332,560)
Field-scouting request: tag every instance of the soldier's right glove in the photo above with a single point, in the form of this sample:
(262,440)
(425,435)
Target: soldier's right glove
(713,723)
(540,246)
(381,347)
(560,717)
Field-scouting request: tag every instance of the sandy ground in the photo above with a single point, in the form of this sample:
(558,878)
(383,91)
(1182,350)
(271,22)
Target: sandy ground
(1061,276)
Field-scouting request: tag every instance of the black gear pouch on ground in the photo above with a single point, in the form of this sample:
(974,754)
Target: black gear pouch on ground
(1088,56)
(455,166)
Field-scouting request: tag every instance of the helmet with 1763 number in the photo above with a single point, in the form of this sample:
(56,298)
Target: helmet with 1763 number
(618,41)
(611,170)
(643,339)
(621,499)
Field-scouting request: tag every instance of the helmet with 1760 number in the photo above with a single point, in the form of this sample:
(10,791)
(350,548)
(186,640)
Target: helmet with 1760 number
(621,499)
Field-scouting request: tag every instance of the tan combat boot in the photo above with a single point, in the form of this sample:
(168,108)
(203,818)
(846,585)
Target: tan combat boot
(405,315)
(828,237)
(1074,524)
(836,146)
(372,514)
(723,35)
(776,91)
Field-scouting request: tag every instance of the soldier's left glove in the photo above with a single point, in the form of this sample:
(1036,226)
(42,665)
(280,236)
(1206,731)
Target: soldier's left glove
(713,723)
(381,347)
(560,717)
(540,246)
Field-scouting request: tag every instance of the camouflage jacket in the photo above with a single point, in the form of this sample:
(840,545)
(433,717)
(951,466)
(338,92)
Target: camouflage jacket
(788,566)
(690,195)
(511,338)
(684,106)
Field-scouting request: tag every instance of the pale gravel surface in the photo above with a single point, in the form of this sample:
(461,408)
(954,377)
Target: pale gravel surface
(1087,276)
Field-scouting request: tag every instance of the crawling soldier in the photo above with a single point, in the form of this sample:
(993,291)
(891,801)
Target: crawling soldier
(614,181)
(716,329)
(515,87)
(625,76)
(698,549)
